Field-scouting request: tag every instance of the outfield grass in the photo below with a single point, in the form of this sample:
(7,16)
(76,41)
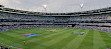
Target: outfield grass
(56,38)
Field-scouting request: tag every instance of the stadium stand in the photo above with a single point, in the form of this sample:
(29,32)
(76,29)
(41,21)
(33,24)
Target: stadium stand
(17,19)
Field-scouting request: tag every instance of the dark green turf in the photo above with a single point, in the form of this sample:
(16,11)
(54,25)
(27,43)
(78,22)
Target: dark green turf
(62,38)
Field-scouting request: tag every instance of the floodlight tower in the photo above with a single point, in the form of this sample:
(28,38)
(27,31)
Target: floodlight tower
(81,5)
(45,6)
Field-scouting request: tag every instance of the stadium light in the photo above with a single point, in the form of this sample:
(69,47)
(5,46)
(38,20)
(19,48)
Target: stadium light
(81,5)
(45,6)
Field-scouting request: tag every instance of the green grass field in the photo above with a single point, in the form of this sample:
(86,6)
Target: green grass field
(56,38)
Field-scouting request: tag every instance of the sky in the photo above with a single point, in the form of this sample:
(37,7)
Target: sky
(56,6)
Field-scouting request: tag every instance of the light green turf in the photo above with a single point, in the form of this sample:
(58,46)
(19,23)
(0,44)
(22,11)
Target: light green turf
(60,38)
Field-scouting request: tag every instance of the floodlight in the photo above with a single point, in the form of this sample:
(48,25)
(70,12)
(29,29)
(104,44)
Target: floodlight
(44,6)
(82,5)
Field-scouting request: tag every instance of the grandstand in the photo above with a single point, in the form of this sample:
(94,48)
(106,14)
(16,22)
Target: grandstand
(99,19)
(12,18)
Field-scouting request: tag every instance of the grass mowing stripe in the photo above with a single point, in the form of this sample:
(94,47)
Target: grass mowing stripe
(35,41)
(57,33)
(74,44)
(15,35)
(106,39)
(11,43)
(14,39)
(63,42)
(43,37)
(44,40)
(87,43)
(57,39)
(18,34)
(98,41)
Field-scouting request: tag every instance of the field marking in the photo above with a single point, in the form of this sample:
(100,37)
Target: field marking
(98,42)
(74,44)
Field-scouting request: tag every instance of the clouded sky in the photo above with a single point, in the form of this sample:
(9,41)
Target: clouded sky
(56,5)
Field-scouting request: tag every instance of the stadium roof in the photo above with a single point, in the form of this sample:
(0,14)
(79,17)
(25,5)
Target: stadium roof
(83,13)
(56,6)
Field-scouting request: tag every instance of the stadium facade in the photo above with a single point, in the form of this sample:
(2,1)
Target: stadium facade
(17,19)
